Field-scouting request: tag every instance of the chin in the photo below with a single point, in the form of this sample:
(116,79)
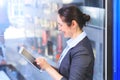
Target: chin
(66,35)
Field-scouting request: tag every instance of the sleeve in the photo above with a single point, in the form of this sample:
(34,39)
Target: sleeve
(79,66)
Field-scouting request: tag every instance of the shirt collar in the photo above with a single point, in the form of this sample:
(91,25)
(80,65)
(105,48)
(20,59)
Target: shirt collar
(72,42)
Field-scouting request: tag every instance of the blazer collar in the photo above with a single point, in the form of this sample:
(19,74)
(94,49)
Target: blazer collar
(73,42)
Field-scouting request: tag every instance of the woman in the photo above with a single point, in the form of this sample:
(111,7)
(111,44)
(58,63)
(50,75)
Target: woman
(77,59)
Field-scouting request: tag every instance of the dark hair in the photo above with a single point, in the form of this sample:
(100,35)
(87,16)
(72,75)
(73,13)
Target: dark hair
(71,12)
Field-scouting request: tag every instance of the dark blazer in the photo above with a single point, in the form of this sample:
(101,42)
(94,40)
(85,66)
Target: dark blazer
(78,63)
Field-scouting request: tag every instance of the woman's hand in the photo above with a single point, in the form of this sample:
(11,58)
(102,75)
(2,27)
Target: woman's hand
(42,63)
(48,68)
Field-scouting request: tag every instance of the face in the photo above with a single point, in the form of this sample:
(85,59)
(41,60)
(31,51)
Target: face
(63,27)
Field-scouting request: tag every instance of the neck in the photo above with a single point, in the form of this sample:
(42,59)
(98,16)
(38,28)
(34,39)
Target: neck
(76,34)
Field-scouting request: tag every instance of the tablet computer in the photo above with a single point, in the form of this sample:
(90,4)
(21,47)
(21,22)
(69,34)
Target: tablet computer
(28,56)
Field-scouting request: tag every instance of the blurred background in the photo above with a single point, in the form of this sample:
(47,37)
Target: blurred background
(32,24)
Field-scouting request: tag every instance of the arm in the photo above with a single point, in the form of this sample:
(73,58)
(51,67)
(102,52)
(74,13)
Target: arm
(52,72)
(47,67)
(79,66)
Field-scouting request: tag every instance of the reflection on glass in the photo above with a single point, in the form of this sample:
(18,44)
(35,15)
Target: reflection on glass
(33,26)
(97,16)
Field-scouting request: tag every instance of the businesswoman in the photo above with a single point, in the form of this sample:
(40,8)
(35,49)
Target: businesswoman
(77,60)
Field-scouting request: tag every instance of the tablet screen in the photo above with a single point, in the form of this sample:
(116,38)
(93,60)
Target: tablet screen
(28,56)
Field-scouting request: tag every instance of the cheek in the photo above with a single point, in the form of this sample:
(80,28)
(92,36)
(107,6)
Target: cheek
(67,33)
(70,33)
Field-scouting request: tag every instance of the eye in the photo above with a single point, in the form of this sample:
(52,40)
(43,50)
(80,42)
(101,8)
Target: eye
(59,25)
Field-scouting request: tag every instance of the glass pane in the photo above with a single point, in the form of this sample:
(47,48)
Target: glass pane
(32,24)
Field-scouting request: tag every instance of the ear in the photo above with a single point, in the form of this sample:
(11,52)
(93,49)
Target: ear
(74,23)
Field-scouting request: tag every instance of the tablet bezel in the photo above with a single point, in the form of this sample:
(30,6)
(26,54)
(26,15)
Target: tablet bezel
(29,57)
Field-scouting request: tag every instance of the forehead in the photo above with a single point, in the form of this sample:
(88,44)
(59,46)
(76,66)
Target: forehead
(59,18)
